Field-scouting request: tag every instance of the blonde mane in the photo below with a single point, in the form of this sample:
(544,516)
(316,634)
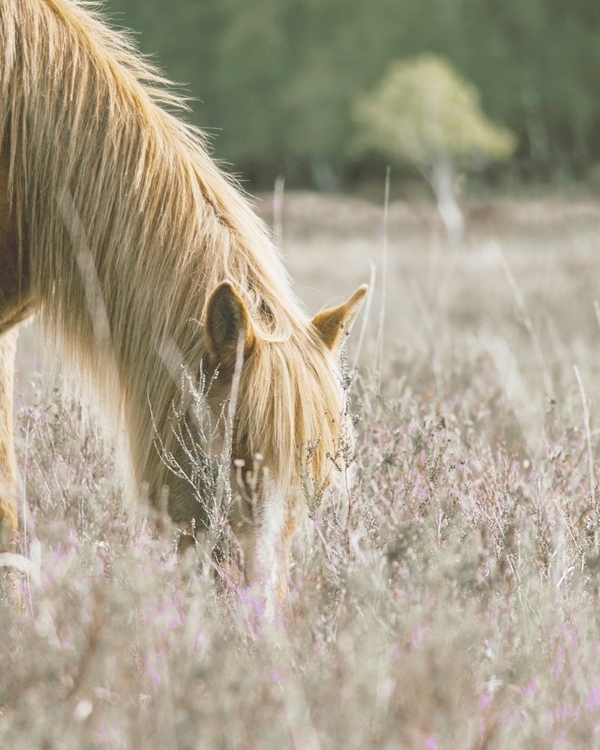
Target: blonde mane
(130,225)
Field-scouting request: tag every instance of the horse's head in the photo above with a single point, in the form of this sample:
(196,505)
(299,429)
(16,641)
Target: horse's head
(289,431)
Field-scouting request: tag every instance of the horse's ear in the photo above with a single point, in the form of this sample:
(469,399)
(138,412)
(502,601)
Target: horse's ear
(333,323)
(227,321)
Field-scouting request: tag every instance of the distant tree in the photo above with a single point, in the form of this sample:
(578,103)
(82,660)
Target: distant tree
(425,114)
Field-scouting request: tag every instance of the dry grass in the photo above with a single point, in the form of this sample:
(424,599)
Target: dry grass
(448,600)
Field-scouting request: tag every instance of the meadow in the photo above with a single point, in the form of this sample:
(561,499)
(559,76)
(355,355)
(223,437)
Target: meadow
(448,598)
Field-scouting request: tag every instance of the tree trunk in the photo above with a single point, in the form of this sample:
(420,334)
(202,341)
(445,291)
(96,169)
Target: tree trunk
(443,182)
(324,175)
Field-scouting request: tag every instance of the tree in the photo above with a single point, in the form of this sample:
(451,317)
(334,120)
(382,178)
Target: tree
(424,113)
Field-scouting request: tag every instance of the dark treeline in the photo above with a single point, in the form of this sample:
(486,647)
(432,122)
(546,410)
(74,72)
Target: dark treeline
(277,80)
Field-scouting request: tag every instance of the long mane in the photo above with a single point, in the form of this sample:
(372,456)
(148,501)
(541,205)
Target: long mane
(130,224)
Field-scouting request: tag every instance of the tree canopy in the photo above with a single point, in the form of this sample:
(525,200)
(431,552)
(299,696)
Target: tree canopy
(423,112)
(277,80)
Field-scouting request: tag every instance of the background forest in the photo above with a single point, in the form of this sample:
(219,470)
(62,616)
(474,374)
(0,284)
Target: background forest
(277,81)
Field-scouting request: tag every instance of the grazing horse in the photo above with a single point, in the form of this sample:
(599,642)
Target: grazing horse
(142,257)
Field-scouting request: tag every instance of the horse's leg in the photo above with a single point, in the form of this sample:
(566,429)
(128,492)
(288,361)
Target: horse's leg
(8,467)
(265,543)
(16,304)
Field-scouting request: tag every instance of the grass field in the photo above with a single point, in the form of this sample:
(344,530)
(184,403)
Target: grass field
(449,600)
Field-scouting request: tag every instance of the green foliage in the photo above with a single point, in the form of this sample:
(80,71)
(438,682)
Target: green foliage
(275,81)
(422,111)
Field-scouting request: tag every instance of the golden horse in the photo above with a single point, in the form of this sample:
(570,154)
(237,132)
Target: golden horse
(143,258)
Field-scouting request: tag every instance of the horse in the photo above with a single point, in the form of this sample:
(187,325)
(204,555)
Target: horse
(143,258)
